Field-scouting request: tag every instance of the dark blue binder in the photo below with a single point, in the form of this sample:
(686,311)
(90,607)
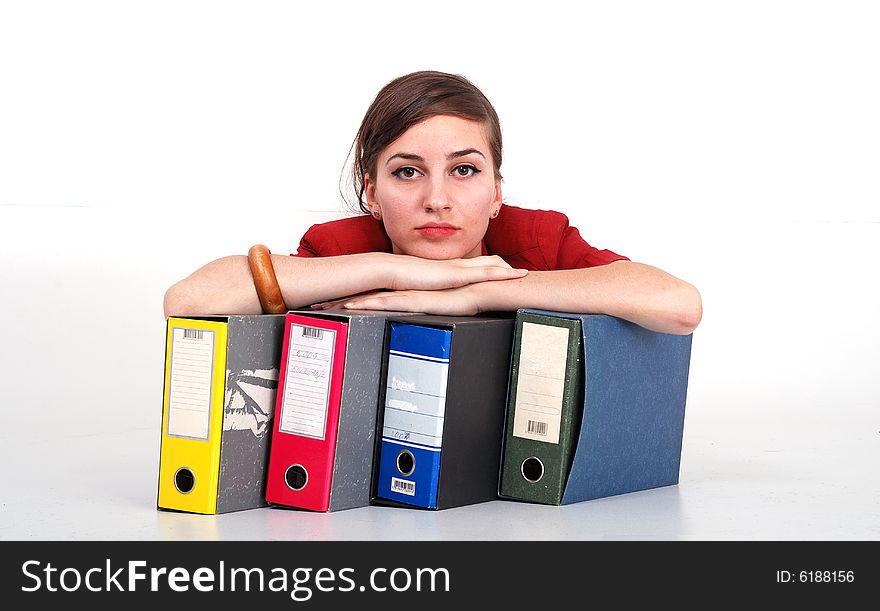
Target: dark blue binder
(414,414)
(442,411)
(632,425)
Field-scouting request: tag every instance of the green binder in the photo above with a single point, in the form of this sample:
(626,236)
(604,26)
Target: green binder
(544,409)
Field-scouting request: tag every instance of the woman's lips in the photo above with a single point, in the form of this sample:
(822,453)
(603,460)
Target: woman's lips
(437,230)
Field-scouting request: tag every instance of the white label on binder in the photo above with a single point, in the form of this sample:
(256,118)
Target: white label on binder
(189,393)
(415,399)
(403,486)
(307,381)
(540,382)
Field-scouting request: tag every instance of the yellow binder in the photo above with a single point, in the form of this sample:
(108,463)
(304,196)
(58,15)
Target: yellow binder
(192,415)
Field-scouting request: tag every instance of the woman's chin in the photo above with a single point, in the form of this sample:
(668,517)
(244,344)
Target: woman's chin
(437,252)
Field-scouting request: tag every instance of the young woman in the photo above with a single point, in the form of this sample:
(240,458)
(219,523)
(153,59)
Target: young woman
(436,236)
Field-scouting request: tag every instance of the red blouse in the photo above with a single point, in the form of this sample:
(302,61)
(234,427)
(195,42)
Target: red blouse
(537,240)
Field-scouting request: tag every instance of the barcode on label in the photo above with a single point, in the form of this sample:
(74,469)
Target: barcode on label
(538,428)
(193,334)
(313,332)
(403,486)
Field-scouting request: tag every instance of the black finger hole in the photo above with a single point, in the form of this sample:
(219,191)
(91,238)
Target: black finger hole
(296,477)
(532,469)
(406,462)
(184,480)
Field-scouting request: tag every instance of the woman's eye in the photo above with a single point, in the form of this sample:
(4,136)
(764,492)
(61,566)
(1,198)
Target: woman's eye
(465,170)
(406,172)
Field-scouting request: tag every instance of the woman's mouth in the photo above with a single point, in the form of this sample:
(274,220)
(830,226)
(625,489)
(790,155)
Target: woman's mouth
(437,230)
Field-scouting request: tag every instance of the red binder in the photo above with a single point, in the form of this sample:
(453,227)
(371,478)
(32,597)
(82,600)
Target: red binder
(307,412)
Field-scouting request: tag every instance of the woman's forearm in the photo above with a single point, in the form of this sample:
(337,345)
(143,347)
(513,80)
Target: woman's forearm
(225,286)
(636,292)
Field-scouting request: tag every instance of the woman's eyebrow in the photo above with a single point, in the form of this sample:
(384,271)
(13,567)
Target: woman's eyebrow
(407,156)
(450,156)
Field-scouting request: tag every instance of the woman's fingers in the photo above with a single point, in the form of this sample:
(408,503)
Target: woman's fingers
(483,274)
(484,261)
(447,302)
(331,305)
(459,272)
(484,269)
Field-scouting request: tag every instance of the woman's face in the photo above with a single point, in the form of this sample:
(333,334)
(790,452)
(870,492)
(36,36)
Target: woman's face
(435,189)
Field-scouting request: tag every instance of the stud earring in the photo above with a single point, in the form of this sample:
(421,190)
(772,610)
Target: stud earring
(376,214)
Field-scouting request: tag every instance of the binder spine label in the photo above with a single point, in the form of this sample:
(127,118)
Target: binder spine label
(415,400)
(189,400)
(309,363)
(540,382)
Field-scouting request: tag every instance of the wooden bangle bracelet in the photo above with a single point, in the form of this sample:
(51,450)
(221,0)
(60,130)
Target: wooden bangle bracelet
(260,262)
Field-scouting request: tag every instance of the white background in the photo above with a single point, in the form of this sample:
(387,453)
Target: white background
(733,144)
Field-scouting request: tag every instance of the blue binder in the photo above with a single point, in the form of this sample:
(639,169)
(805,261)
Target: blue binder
(415,407)
(632,425)
(443,410)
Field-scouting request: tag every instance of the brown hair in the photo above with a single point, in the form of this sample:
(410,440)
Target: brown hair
(410,99)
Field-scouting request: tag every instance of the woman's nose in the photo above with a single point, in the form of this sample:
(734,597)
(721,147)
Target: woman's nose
(437,198)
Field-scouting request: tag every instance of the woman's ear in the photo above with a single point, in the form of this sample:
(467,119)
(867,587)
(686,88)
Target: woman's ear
(370,194)
(495,209)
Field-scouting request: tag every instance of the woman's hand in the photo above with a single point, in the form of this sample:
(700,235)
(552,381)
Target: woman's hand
(407,272)
(459,301)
